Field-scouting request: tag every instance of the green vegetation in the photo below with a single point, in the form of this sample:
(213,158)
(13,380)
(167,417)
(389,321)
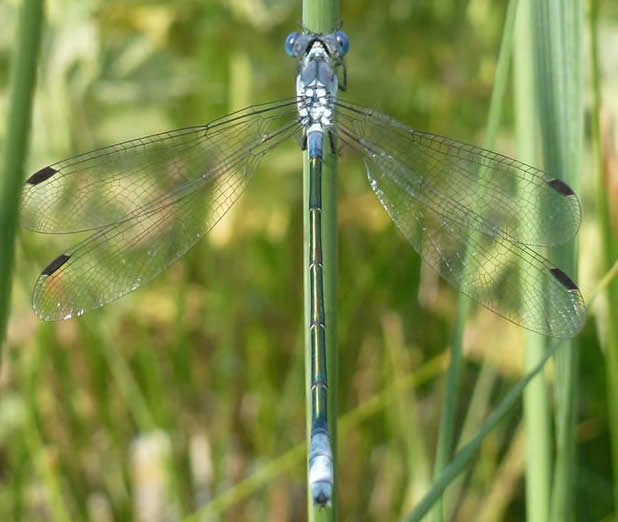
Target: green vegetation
(536,396)
(445,448)
(184,400)
(23,64)
(559,42)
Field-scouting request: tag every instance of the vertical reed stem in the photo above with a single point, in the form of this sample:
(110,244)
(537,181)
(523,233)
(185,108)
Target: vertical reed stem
(23,74)
(322,16)
(559,31)
(447,425)
(536,400)
(606,200)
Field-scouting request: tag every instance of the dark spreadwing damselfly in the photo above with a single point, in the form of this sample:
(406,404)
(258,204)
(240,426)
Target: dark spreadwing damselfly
(472,214)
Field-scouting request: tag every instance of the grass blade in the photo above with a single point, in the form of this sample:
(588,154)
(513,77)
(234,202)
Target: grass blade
(447,424)
(463,457)
(293,458)
(536,401)
(559,27)
(23,74)
(606,201)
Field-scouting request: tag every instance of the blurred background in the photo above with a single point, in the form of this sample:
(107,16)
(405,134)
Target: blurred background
(190,392)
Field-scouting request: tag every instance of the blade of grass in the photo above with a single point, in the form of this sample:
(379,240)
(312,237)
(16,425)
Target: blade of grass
(293,457)
(606,201)
(536,401)
(478,407)
(44,458)
(23,75)
(402,417)
(322,16)
(463,457)
(560,84)
(352,420)
(447,425)
(506,482)
(124,379)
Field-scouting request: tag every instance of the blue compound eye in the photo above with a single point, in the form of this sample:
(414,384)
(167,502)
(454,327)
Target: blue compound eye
(343,41)
(289,43)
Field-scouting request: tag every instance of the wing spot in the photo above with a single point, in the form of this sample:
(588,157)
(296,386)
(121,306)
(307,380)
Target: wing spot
(561,187)
(41,175)
(55,264)
(563,279)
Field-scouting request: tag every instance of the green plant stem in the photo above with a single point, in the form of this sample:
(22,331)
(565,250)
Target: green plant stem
(479,405)
(44,464)
(447,425)
(605,201)
(536,400)
(23,75)
(293,458)
(463,457)
(559,28)
(322,16)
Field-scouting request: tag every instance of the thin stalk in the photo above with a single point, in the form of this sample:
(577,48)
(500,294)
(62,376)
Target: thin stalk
(351,420)
(506,480)
(323,16)
(403,418)
(477,410)
(125,384)
(464,456)
(559,29)
(536,400)
(43,461)
(605,201)
(447,425)
(23,76)
(293,458)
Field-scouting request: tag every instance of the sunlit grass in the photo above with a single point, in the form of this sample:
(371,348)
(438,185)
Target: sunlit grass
(447,437)
(536,397)
(560,82)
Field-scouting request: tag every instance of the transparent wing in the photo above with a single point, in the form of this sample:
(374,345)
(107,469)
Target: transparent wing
(114,183)
(506,277)
(121,257)
(476,188)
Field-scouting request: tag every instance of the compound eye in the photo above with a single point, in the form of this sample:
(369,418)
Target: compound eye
(289,43)
(343,41)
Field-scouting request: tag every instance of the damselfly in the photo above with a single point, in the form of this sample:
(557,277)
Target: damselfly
(471,214)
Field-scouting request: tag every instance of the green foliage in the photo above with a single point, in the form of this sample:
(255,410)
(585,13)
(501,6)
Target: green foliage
(536,396)
(187,390)
(23,68)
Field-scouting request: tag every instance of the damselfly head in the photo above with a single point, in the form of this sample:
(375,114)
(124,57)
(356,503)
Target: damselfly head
(336,44)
